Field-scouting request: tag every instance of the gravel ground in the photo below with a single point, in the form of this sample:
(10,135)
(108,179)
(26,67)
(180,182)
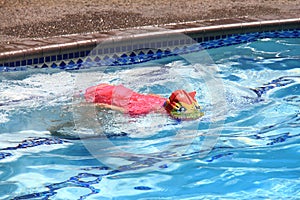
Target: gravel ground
(43,18)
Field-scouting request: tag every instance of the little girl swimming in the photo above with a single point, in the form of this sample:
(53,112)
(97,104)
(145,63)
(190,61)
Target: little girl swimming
(180,105)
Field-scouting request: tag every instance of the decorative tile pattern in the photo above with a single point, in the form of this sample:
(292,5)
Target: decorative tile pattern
(89,177)
(139,53)
(28,143)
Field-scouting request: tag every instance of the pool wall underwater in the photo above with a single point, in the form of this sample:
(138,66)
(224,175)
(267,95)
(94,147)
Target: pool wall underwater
(132,46)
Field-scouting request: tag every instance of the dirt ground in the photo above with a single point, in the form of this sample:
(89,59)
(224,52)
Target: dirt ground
(43,18)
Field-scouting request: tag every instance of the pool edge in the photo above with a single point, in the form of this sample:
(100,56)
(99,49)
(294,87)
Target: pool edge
(39,51)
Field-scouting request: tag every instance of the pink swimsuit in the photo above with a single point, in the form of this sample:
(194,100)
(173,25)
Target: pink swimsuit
(131,102)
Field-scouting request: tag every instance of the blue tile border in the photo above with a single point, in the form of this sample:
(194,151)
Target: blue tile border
(86,59)
(134,53)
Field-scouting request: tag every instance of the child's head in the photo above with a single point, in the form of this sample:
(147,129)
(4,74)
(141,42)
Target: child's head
(183,105)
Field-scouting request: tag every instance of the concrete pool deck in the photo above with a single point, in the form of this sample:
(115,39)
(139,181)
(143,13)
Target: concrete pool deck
(44,26)
(46,18)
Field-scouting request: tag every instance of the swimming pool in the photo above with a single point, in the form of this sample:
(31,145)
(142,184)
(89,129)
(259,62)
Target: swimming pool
(253,151)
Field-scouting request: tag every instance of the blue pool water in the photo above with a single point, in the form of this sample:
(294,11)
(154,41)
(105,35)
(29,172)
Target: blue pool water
(246,146)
